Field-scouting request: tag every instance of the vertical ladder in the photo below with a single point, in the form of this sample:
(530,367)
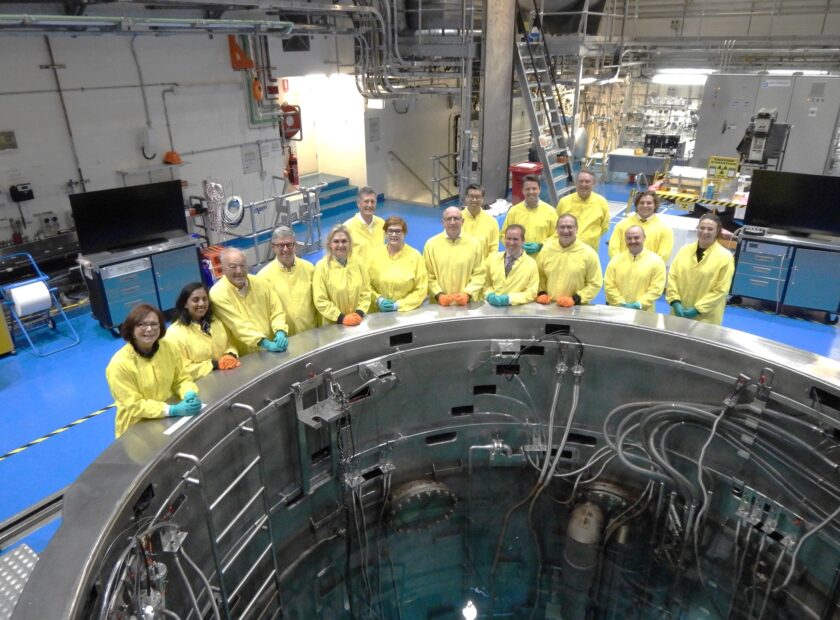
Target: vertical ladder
(242,545)
(550,130)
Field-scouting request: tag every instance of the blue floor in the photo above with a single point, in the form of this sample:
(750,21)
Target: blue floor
(40,395)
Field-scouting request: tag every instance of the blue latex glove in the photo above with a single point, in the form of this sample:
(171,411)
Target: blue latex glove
(386,305)
(633,305)
(281,340)
(270,345)
(690,313)
(185,408)
(492,299)
(503,300)
(678,308)
(532,247)
(191,397)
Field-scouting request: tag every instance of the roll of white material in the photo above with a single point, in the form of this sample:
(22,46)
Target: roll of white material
(30,298)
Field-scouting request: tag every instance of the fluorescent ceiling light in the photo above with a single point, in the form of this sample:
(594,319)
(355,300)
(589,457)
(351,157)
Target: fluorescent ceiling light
(687,79)
(686,71)
(796,71)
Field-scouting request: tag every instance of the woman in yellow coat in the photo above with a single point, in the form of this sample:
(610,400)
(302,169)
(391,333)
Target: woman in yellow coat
(701,275)
(201,338)
(398,278)
(340,285)
(147,376)
(659,238)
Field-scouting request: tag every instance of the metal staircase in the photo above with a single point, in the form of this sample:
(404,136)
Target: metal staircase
(550,131)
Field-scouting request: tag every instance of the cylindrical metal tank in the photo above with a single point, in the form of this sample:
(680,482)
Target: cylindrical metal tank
(392,471)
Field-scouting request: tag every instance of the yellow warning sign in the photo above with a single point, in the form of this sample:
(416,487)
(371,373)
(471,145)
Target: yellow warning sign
(722,167)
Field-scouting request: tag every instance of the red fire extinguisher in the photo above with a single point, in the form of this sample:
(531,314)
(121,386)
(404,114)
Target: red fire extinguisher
(292,168)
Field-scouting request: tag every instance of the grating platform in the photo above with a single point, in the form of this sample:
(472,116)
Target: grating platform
(15,568)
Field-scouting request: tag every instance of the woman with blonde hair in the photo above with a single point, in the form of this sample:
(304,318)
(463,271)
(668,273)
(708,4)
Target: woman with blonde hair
(340,285)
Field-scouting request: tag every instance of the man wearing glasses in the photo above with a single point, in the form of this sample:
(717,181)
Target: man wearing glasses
(290,277)
(454,262)
(479,224)
(249,308)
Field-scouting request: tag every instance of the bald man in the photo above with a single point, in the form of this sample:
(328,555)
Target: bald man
(635,278)
(249,308)
(454,262)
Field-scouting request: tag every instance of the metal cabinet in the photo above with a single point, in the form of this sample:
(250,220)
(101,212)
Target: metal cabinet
(790,271)
(762,269)
(153,275)
(815,280)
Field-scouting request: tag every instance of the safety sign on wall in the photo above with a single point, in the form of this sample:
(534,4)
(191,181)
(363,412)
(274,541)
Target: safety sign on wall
(722,167)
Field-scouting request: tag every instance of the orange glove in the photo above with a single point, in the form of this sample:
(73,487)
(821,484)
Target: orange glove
(446,300)
(461,299)
(565,302)
(226,362)
(351,320)
(543,299)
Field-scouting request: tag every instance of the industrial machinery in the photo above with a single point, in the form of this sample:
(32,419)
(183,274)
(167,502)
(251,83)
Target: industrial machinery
(763,141)
(486,462)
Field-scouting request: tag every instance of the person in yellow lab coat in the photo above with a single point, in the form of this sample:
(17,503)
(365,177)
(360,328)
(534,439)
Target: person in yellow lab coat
(701,275)
(454,263)
(570,271)
(291,279)
(537,217)
(512,276)
(340,285)
(398,279)
(477,222)
(590,209)
(635,278)
(201,338)
(365,227)
(147,376)
(659,238)
(249,308)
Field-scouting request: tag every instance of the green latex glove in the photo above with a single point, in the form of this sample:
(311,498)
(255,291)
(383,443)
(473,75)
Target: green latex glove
(678,308)
(270,345)
(532,247)
(281,340)
(690,313)
(633,305)
(185,408)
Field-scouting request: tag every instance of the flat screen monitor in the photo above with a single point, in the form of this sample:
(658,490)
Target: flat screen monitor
(128,217)
(797,203)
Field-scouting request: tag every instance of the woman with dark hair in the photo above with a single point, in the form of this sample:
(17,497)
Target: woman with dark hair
(398,279)
(659,238)
(148,373)
(200,337)
(701,274)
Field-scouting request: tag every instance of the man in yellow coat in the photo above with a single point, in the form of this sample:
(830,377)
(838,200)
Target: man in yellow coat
(454,263)
(249,308)
(477,222)
(635,278)
(512,275)
(590,209)
(365,227)
(290,277)
(537,217)
(570,271)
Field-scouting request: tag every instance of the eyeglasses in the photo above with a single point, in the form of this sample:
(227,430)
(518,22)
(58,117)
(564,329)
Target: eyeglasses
(237,267)
(287,246)
(148,325)
(474,196)
(394,231)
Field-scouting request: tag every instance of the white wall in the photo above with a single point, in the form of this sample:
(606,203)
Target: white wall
(208,114)
(423,130)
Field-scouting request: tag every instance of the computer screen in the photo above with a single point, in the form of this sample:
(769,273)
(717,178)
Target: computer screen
(128,217)
(794,202)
